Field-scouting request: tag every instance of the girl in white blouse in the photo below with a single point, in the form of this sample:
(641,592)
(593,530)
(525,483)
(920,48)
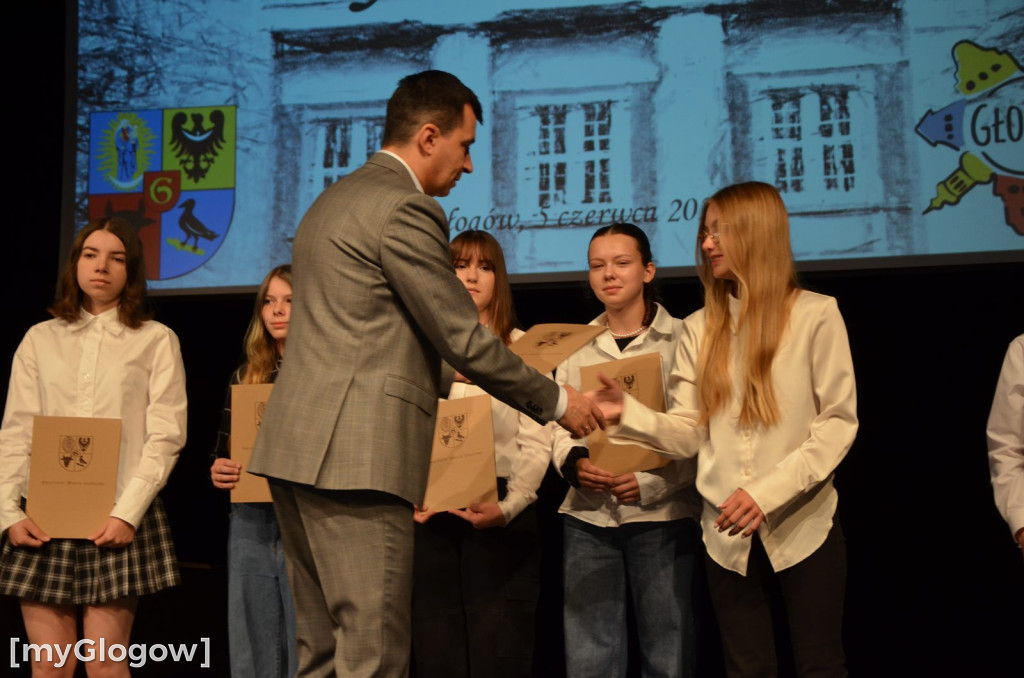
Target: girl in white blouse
(100,356)
(633,536)
(476,570)
(763,394)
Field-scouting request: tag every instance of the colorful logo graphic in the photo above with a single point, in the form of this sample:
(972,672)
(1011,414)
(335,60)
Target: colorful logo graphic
(986,127)
(171,174)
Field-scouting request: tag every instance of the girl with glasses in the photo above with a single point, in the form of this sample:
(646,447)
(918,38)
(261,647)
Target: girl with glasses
(763,395)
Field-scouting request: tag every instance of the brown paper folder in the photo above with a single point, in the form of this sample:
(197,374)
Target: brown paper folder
(640,377)
(545,346)
(248,403)
(462,469)
(72,478)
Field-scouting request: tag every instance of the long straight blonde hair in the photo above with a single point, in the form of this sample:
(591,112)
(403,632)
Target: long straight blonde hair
(261,348)
(755,234)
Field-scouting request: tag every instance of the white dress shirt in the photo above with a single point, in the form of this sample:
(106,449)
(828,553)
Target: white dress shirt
(97,367)
(1006,437)
(666,493)
(787,469)
(522,448)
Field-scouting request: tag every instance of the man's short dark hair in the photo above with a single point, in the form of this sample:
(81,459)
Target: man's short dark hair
(428,97)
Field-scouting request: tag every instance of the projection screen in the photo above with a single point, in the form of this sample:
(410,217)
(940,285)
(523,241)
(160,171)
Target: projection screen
(892,129)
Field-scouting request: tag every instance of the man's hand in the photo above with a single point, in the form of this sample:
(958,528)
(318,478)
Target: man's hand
(224,473)
(608,399)
(482,515)
(581,417)
(739,511)
(27,533)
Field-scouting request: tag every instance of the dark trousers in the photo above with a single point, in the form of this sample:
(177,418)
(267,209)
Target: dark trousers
(475,597)
(812,594)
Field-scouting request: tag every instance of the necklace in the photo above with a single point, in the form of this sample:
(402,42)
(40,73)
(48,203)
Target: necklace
(625,335)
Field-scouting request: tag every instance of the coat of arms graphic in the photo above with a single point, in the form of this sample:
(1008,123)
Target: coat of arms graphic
(75,453)
(630,384)
(551,339)
(452,430)
(170,173)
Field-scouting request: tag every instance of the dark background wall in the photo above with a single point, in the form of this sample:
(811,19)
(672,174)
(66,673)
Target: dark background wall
(936,586)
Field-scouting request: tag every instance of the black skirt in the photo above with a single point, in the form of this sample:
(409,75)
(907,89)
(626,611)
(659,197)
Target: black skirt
(77,572)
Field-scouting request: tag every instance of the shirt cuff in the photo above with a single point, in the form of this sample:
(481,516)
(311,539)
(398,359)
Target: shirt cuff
(9,515)
(562,405)
(512,505)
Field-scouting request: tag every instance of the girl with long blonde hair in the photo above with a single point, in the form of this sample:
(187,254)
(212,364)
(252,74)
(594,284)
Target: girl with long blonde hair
(261,613)
(763,395)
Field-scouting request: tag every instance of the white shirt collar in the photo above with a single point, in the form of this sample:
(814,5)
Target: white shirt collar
(662,321)
(108,320)
(412,174)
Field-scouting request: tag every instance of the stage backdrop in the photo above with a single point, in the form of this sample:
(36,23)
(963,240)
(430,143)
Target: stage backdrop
(893,129)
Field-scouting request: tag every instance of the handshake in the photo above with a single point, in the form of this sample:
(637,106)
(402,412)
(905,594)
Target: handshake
(586,412)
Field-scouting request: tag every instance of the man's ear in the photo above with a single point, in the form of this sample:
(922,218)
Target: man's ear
(427,138)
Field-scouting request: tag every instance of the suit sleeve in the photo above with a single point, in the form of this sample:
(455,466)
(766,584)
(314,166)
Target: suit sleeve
(1005,433)
(415,260)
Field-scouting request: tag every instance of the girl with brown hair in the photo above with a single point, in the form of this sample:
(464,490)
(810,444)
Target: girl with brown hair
(476,570)
(630,539)
(100,356)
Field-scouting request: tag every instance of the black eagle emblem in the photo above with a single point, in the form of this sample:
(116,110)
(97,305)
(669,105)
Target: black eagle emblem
(197,146)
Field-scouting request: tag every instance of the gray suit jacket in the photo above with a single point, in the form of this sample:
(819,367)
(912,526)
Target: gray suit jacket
(376,307)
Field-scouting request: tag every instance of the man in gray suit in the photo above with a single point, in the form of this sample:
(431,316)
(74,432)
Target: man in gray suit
(346,438)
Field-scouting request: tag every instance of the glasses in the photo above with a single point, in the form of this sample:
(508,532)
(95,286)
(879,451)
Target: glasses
(705,234)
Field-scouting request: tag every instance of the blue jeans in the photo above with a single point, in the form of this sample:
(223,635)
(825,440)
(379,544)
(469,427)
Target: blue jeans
(655,562)
(261,614)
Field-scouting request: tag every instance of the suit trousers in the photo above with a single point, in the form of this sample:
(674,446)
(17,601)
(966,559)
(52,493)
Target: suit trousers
(812,592)
(349,555)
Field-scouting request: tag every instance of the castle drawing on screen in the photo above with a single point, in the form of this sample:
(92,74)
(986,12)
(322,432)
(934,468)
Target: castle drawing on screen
(892,129)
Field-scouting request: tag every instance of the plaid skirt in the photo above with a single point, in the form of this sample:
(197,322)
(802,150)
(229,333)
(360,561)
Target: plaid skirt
(77,572)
